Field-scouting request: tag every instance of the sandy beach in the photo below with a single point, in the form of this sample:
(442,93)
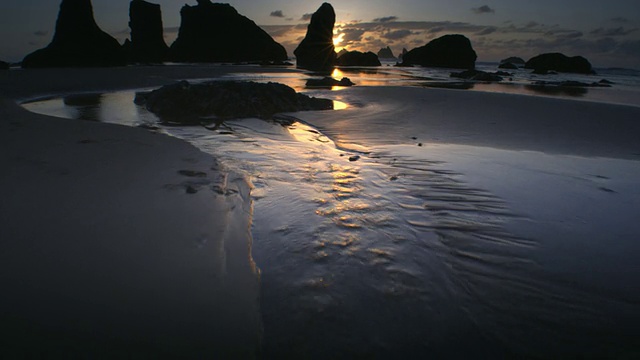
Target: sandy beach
(505,220)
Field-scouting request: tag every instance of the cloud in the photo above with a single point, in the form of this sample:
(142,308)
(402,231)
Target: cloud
(306,17)
(484,9)
(385,19)
(397,34)
(487,31)
(41,33)
(620,20)
(531,24)
(277,13)
(620,31)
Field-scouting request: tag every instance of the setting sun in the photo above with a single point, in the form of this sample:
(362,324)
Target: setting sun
(338,39)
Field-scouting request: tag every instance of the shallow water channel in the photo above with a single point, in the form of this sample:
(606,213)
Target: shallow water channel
(390,249)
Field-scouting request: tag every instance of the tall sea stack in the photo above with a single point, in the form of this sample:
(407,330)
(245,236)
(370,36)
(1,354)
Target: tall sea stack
(147,39)
(218,33)
(78,41)
(316,51)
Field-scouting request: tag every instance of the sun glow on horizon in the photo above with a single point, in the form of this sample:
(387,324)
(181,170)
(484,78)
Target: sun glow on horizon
(338,39)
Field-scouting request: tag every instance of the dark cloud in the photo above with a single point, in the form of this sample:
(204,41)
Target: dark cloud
(620,20)
(385,19)
(352,35)
(397,34)
(487,31)
(277,13)
(484,9)
(306,17)
(41,33)
(531,24)
(620,31)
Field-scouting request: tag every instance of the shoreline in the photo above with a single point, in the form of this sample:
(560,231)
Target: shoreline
(118,240)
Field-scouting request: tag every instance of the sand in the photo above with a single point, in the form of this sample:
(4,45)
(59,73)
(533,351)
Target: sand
(106,249)
(103,246)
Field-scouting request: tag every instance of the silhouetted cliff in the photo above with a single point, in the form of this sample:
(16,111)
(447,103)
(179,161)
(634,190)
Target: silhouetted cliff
(559,62)
(316,51)
(449,51)
(147,38)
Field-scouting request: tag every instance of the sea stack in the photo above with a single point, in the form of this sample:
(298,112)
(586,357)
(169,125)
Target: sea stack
(316,51)
(449,51)
(147,39)
(357,58)
(559,62)
(218,33)
(386,53)
(78,41)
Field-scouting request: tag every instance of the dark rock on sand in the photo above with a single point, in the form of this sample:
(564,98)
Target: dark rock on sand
(316,51)
(570,83)
(386,53)
(147,39)
(218,33)
(328,82)
(606,82)
(354,158)
(559,62)
(200,103)
(357,58)
(449,51)
(514,60)
(508,65)
(78,41)
(477,75)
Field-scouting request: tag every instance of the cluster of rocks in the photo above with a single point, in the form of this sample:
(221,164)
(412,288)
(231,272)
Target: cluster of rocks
(187,103)
(477,75)
(329,82)
(212,32)
(208,33)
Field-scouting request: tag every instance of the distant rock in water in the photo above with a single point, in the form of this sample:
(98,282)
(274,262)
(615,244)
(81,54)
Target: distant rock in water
(147,39)
(559,62)
(197,103)
(514,60)
(4,65)
(329,82)
(508,65)
(78,41)
(477,75)
(218,33)
(316,51)
(357,58)
(449,51)
(386,53)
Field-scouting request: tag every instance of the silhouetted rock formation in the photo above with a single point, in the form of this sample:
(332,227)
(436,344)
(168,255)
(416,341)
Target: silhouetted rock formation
(342,52)
(386,53)
(198,103)
(508,65)
(316,51)
(329,82)
(514,60)
(357,58)
(449,51)
(404,52)
(3,65)
(218,33)
(147,39)
(78,41)
(559,62)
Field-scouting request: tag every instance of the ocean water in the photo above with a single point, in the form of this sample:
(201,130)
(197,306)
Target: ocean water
(374,241)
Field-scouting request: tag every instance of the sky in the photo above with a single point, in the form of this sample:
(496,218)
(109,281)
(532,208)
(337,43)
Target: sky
(607,32)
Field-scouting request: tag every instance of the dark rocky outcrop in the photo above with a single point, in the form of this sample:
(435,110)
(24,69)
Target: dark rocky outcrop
(218,33)
(147,40)
(329,82)
(357,58)
(4,65)
(449,51)
(559,62)
(514,60)
(477,75)
(316,51)
(201,103)
(386,53)
(508,65)
(78,41)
